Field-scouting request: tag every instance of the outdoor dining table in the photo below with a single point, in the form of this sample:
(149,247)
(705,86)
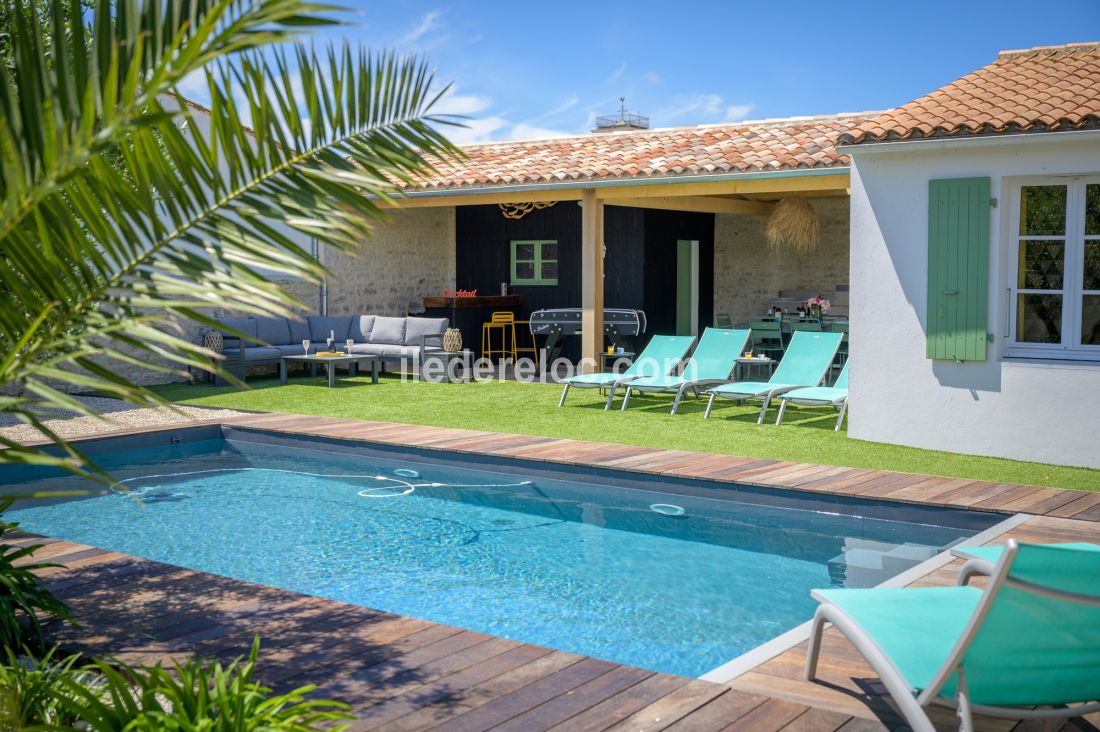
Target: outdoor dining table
(827,325)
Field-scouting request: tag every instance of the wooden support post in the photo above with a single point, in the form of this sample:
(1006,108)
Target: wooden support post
(591,280)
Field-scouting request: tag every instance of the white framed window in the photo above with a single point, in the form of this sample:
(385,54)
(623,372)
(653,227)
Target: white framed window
(1054,306)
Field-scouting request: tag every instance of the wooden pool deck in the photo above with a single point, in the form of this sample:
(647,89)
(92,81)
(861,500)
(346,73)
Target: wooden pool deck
(401,673)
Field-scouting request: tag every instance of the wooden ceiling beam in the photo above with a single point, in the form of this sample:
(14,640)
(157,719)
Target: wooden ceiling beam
(699,204)
(831,184)
(792,184)
(482,199)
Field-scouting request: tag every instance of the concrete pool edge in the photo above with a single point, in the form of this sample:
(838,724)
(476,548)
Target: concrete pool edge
(783,642)
(810,478)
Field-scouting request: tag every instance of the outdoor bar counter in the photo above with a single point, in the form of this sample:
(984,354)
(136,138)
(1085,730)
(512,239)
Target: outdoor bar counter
(468,313)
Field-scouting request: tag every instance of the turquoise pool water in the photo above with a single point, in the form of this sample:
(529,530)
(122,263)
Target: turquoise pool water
(636,572)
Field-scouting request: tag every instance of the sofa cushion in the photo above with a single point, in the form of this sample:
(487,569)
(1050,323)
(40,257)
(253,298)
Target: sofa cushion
(262,354)
(388,330)
(321,325)
(273,331)
(417,327)
(367,349)
(361,327)
(299,330)
(410,352)
(294,349)
(244,325)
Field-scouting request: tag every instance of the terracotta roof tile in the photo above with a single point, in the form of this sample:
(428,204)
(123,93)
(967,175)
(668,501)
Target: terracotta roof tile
(768,145)
(1046,89)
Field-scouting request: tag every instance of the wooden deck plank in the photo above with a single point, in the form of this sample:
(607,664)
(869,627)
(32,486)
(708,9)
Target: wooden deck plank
(671,708)
(718,713)
(615,709)
(579,699)
(1081,502)
(820,720)
(436,713)
(771,716)
(508,706)
(406,704)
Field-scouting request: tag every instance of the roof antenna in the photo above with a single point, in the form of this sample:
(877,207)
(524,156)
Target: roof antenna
(622,108)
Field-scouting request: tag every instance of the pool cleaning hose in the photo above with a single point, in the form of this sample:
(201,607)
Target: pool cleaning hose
(407,488)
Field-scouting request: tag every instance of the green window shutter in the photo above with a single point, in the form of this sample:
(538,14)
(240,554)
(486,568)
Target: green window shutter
(958,269)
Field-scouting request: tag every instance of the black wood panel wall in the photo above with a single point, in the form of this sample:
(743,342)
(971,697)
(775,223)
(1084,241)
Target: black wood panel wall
(662,230)
(639,268)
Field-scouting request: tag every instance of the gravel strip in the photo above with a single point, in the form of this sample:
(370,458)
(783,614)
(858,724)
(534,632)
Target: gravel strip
(119,415)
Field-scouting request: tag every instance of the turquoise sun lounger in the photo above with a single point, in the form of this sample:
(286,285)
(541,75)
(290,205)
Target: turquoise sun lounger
(660,357)
(712,363)
(1030,639)
(820,396)
(804,364)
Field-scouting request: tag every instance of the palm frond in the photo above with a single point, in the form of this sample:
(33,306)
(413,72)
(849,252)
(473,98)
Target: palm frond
(126,209)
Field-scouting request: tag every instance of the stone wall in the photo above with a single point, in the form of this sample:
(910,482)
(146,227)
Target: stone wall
(409,257)
(747,275)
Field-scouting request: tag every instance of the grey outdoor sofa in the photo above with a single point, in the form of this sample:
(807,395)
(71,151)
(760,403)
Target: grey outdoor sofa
(394,340)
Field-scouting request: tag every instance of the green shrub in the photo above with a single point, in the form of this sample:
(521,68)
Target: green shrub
(31,690)
(22,595)
(192,697)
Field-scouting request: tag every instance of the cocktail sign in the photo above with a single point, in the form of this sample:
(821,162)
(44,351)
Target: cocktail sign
(459,293)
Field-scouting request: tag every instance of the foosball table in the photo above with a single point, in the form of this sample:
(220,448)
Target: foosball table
(620,327)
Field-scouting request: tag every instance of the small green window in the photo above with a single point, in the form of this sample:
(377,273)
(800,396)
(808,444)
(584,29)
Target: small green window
(534,263)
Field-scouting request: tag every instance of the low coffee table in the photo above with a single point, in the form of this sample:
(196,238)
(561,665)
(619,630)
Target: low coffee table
(745,364)
(351,360)
(439,366)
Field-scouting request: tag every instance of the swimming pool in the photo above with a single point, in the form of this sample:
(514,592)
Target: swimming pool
(671,575)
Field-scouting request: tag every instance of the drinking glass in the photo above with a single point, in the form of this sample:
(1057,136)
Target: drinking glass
(305,346)
(348,345)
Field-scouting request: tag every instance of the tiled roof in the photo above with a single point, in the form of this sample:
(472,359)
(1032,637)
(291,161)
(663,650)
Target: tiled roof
(744,147)
(1046,89)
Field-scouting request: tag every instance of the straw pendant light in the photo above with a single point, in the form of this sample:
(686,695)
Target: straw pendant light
(793,226)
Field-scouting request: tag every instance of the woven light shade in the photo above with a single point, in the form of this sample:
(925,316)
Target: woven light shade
(793,226)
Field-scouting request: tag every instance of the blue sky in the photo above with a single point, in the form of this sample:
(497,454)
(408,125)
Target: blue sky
(523,70)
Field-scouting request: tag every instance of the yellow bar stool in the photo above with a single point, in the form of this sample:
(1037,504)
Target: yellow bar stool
(505,322)
(533,348)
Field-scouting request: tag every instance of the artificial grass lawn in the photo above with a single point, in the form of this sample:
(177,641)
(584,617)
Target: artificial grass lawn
(532,409)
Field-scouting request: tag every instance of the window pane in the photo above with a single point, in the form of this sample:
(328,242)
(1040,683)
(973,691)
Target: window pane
(1090,320)
(1092,209)
(1043,211)
(1039,319)
(1041,265)
(550,250)
(550,271)
(525,252)
(1092,266)
(525,270)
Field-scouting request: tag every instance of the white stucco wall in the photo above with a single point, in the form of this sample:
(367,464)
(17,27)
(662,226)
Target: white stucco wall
(1038,411)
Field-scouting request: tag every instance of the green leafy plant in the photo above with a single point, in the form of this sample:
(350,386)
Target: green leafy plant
(196,695)
(31,689)
(125,210)
(22,595)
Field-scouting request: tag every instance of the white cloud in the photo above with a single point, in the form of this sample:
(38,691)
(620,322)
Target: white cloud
(565,106)
(617,74)
(476,130)
(738,112)
(464,104)
(525,131)
(700,109)
(652,77)
(428,22)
